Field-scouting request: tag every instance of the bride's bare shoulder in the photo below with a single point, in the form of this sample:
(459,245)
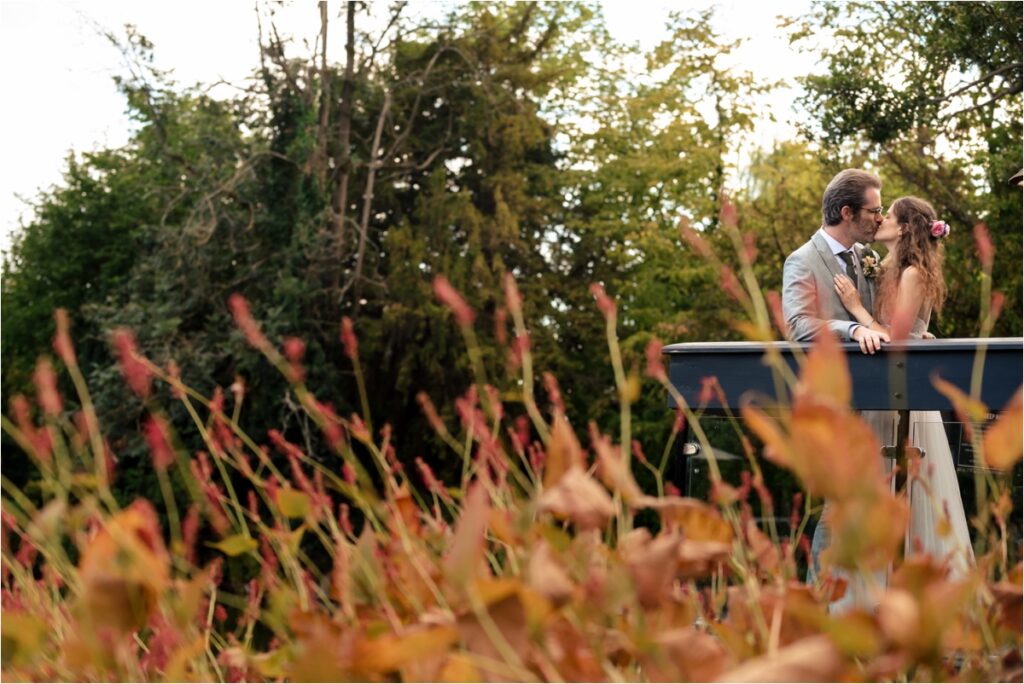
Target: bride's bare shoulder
(910,275)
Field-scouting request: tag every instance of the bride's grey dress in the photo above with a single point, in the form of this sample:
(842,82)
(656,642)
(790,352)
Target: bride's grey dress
(938,524)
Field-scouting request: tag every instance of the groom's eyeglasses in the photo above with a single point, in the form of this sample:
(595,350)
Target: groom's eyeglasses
(877,211)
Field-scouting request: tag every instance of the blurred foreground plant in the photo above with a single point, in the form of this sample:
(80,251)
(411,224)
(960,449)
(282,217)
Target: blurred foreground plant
(531,567)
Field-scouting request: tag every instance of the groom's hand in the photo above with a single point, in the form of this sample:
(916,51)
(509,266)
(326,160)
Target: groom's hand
(870,340)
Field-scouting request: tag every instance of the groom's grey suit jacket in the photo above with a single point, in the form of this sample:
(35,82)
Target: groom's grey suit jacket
(809,299)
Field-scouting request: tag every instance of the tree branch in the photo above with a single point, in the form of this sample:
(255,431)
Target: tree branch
(1013,89)
(364,222)
(319,161)
(981,79)
(340,199)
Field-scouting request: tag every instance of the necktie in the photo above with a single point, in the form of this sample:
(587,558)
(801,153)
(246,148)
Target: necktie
(851,270)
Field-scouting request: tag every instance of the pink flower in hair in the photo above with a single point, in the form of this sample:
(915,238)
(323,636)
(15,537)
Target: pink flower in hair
(940,229)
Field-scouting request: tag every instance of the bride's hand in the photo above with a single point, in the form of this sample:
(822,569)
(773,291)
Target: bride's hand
(847,292)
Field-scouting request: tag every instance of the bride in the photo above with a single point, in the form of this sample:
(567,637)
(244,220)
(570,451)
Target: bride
(911,286)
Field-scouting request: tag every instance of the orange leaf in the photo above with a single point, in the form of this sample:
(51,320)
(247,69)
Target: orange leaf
(408,511)
(508,615)
(579,498)
(652,564)
(563,451)
(547,576)
(125,568)
(1003,439)
(697,656)
(867,530)
(614,470)
(814,659)
(776,446)
(834,451)
(393,652)
(467,546)
(964,404)
(762,550)
(698,520)
(825,374)
(459,668)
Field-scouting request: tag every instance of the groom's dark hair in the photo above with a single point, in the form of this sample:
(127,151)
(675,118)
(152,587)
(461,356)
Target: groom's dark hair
(846,189)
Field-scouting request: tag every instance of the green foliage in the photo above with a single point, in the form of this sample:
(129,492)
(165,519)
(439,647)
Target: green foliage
(930,92)
(509,139)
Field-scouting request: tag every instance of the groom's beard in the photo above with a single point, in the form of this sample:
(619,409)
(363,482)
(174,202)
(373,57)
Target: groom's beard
(865,231)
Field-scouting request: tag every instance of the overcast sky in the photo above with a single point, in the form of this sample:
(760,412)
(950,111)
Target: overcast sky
(56,68)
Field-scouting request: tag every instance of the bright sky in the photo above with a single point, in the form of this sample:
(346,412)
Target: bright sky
(56,69)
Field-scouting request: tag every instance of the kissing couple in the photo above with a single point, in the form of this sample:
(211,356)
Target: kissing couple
(837,282)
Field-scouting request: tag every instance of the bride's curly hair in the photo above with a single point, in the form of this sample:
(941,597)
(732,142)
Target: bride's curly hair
(916,247)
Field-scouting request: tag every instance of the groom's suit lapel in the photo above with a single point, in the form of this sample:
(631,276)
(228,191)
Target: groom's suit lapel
(866,286)
(825,252)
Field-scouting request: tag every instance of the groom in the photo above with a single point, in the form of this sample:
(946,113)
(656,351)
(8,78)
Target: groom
(851,212)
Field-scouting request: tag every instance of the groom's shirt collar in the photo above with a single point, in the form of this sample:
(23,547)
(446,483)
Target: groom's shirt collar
(837,249)
(836,246)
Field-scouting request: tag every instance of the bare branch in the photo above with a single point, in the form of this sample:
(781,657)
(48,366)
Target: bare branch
(981,79)
(395,14)
(1013,89)
(364,222)
(319,160)
(344,165)
(414,112)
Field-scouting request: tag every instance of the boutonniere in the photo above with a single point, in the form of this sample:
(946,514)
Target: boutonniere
(869,265)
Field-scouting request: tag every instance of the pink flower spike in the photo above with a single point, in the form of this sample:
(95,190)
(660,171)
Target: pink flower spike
(655,366)
(349,339)
(217,401)
(245,322)
(135,373)
(294,350)
(159,443)
(693,238)
(501,326)
(46,388)
(731,284)
(62,339)
(750,247)
(605,303)
(638,452)
(344,521)
(983,241)
(175,373)
(554,393)
(430,412)
(348,473)
(775,306)
(679,423)
(513,300)
(996,306)
(707,389)
(450,297)
(728,212)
